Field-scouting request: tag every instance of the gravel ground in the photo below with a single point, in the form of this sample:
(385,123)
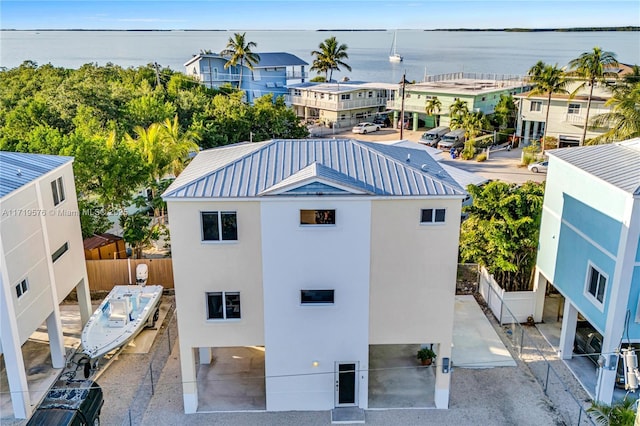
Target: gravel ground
(496,396)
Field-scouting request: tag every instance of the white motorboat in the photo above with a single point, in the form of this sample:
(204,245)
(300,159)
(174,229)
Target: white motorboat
(126,311)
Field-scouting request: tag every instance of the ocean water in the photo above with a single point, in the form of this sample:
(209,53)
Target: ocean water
(430,52)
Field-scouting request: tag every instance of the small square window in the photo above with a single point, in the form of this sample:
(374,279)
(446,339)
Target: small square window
(573,109)
(536,106)
(223,305)
(432,216)
(317,217)
(58,253)
(21,288)
(219,226)
(316,297)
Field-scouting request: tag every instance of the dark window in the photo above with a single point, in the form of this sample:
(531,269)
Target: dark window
(432,216)
(57,189)
(317,217)
(597,284)
(219,226)
(21,288)
(573,109)
(316,296)
(58,253)
(223,305)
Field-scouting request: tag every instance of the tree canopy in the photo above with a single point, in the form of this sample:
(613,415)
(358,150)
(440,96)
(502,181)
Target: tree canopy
(330,57)
(502,229)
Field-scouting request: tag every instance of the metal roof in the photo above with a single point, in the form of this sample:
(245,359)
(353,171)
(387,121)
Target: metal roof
(272,167)
(267,59)
(342,87)
(18,169)
(616,163)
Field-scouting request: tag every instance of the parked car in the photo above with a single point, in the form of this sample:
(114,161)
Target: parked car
(70,403)
(365,128)
(382,121)
(453,139)
(433,136)
(589,342)
(540,167)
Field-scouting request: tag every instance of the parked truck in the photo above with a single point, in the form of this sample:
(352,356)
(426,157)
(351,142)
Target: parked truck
(70,403)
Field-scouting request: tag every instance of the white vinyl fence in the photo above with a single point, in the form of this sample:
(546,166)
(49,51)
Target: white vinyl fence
(521,303)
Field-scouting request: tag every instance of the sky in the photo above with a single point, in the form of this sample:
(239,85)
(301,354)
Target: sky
(315,14)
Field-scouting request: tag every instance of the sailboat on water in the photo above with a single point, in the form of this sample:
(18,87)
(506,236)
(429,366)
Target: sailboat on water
(394,56)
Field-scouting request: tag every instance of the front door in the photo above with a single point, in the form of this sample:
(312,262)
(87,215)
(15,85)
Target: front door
(346,384)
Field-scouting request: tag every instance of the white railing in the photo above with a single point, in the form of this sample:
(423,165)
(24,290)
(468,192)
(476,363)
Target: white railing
(297,74)
(335,105)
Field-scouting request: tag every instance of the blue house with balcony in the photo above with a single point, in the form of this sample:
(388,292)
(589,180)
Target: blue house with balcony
(589,247)
(271,74)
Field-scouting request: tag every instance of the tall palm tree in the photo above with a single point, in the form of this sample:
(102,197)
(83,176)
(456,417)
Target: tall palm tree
(178,144)
(624,118)
(433,107)
(457,111)
(239,52)
(594,66)
(548,80)
(536,70)
(330,57)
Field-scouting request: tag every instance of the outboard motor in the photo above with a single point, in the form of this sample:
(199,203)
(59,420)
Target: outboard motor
(142,273)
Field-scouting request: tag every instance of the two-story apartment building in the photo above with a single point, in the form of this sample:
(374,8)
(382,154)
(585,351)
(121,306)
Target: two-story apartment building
(481,92)
(271,74)
(590,246)
(315,251)
(41,260)
(340,104)
(567,115)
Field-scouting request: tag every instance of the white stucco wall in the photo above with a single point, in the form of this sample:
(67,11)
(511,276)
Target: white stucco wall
(201,267)
(25,257)
(299,257)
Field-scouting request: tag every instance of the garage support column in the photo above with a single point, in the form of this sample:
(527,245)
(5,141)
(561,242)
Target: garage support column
(527,135)
(540,289)
(443,380)
(415,122)
(189,383)
(568,332)
(56,341)
(205,355)
(84,300)
(536,130)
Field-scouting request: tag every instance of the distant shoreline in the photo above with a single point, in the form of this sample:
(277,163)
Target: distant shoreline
(521,30)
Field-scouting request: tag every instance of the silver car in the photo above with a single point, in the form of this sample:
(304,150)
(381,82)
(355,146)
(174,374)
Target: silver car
(540,167)
(364,128)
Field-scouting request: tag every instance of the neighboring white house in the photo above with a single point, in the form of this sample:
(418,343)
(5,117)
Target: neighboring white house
(340,104)
(315,250)
(590,247)
(41,260)
(567,115)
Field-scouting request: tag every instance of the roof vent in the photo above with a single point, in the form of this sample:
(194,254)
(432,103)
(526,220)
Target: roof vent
(408,158)
(19,173)
(424,167)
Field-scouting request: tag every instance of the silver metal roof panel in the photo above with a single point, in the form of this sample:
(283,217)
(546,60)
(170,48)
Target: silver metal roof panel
(18,169)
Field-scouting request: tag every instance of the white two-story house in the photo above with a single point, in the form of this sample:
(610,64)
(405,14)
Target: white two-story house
(41,262)
(314,250)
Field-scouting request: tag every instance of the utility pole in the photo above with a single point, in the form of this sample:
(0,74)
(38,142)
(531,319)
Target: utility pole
(403,82)
(155,66)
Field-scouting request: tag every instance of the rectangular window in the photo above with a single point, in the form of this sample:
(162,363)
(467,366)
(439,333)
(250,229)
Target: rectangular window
(21,288)
(57,189)
(596,284)
(317,217)
(370,94)
(432,216)
(573,109)
(345,96)
(58,253)
(536,106)
(223,305)
(316,297)
(219,226)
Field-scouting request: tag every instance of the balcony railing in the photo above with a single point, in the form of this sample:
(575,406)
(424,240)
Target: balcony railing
(335,105)
(297,74)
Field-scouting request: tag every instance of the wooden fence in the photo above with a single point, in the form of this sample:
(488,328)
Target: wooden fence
(104,274)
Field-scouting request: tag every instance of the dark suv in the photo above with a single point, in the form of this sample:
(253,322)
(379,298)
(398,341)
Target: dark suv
(70,403)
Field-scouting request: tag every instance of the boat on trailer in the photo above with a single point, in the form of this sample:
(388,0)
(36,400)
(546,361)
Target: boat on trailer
(124,313)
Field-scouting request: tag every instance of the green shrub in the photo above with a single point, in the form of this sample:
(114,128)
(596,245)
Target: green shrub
(481,157)
(528,159)
(468,153)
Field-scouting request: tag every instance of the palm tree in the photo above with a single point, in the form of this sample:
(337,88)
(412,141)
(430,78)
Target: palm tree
(178,145)
(548,80)
(432,106)
(239,52)
(593,67)
(624,118)
(330,57)
(457,111)
(536,70)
